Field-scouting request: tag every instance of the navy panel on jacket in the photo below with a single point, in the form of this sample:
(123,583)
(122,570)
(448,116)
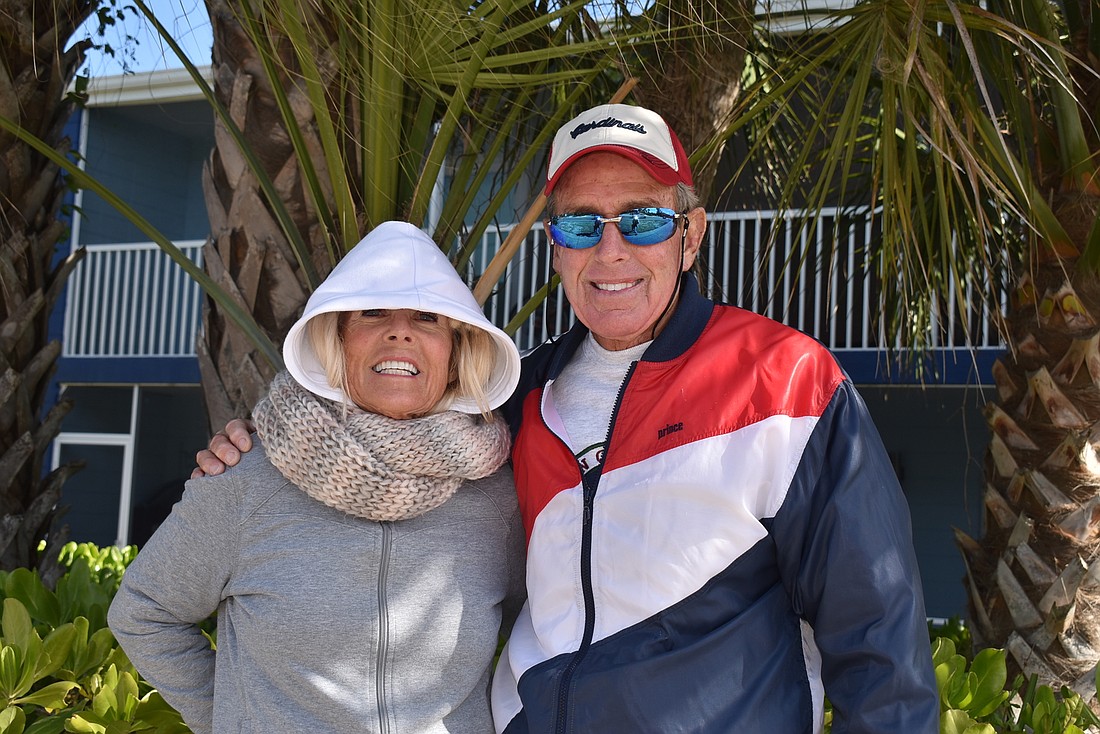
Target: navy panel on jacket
(844,528)
(722,655)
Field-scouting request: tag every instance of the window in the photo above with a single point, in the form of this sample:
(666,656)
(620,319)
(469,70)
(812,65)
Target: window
(138,444)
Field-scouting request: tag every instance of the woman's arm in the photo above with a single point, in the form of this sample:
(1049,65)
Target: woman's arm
(178,580)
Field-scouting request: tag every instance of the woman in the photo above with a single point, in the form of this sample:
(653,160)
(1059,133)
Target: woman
(362,560)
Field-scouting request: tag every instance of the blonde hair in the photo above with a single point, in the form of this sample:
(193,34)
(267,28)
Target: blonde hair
(472,358)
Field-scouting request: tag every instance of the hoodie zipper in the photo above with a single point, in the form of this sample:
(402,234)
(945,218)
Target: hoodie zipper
(590,482)
(383,628)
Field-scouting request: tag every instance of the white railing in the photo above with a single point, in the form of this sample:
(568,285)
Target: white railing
(131,300)
(763,261)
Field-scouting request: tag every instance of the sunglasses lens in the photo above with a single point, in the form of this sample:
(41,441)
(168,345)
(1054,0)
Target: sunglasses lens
(576,231)
(648,226)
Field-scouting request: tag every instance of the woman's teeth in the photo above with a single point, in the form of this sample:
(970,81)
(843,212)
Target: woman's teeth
(393,367)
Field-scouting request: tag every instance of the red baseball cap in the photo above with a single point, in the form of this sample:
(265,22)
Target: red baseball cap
(630,131)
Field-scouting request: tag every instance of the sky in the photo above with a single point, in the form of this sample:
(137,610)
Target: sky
(185,19)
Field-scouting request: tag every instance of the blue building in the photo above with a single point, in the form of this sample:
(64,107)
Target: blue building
(130,319)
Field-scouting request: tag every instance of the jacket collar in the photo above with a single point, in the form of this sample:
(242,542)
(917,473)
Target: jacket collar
(686,325)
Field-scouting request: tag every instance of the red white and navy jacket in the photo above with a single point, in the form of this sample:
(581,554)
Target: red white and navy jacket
(744,547)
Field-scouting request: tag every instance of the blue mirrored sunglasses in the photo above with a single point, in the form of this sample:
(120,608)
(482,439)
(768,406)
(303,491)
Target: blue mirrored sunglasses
(645,226)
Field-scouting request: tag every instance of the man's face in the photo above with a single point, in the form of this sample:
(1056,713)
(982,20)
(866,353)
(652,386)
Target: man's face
(619,290)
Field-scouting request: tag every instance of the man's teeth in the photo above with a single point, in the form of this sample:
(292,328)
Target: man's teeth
(393,367)
(614,286)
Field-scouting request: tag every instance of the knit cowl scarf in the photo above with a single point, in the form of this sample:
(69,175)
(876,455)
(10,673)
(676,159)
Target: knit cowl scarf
(369,465)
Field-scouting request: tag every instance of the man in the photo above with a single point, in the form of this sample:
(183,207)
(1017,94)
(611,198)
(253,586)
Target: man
(716,538)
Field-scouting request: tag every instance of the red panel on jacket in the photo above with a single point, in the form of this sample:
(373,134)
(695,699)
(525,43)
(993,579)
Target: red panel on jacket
(744,368)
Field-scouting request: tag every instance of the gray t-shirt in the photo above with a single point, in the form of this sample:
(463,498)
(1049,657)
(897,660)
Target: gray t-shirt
(585,394)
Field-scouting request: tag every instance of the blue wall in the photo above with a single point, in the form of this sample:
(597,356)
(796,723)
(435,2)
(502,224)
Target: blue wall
(140,155)
(937,438)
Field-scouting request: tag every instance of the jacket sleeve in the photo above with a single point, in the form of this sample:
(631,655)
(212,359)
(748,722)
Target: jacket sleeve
(845,546)
(178,580)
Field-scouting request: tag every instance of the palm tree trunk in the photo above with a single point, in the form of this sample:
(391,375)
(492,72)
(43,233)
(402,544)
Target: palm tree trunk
(34,80)
(247,252)
(695,83)
(1034,580)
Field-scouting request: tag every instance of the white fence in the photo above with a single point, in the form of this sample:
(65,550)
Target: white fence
(132,300)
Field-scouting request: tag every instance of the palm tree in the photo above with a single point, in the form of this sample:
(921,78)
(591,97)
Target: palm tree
(331,117)
(976,128)
(349,111)
(37,71)
(352,110)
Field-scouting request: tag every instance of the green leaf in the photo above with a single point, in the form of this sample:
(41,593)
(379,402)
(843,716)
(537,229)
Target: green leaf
(85,723)
(16,672)
(56,648)
(955,690)
(9,672)
(49,697)
(954,721)
(26,586)
(104,703)
(88,654)
(17,627)
(943,649)
(127,695)
(106,700)
(12,720)
(990,675)
(1041,713)
(153,711)
(980,729)
(50,725)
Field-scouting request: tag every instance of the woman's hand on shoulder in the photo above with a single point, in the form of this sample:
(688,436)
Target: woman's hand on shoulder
(225,449)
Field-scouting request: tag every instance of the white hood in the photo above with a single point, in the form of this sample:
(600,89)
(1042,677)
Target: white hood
(398,266)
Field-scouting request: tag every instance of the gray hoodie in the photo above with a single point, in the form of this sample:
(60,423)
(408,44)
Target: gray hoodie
(328,622)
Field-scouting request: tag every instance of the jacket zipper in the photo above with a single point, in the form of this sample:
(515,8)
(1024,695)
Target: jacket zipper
(383,629)
(590,482)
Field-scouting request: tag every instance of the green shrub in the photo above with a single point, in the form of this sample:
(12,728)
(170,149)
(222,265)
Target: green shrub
(974,698)
(60,667)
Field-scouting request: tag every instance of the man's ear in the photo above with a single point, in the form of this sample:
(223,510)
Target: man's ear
(696,229)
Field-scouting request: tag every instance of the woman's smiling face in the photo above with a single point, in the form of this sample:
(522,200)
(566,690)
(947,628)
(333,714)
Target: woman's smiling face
(398,362)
